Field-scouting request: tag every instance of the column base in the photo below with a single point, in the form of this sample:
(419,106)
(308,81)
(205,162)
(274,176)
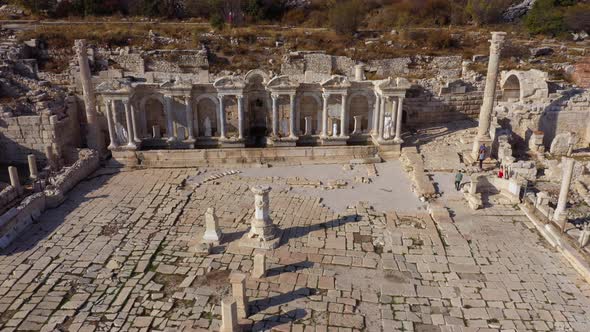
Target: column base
(258,243)
(329,141)
(232,143)
(282,141)
(113,147)
(398,140)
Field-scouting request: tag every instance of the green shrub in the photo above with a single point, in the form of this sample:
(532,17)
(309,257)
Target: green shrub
(486,11)
(545,17)
(217,22)
(577,17)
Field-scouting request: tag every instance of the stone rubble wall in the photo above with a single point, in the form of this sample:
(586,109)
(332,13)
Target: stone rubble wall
(428,109)
(19,218)
(581,74)
(7,195)
(24,135)
(130,62)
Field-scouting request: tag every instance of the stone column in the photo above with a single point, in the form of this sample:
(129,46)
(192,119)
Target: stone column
(189,117)
(51,159)
(393,116)
(131,143)
(375,119)
(343,116)
(33,172)
(259,268)
(238,285)
(485,113)
(326,97)
(275,115)
(240,116)
(221,117)
(263,233)
(382,118)
(308,121)
(567,169)
(292,117)
(169,118)
(14,180)
(110,105)
(93,137)
(134,123)
(357,125)
(398,124)
(473,186)
(229,315)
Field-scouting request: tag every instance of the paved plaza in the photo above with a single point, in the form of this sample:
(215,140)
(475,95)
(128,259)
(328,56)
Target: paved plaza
(117,255)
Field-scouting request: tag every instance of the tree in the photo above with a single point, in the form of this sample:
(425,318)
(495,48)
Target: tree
(346,16)
(545,17)
(486,11)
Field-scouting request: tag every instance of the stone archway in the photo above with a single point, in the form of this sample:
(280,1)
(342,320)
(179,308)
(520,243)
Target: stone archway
(511,88)
(309,106)
(358,106)
(206,118)
(154,114)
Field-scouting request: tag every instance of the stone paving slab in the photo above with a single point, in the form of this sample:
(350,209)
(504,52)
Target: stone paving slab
(115,256)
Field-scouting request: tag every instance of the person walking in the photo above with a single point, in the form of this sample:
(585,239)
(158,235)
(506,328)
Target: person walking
(482,156)
(458,179)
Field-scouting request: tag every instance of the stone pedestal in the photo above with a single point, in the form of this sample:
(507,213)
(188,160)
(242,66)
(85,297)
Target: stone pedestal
(259,268)
(212,231)
(238,285)
(282,141)
(229,316)
(33,172)
(357,124)
(14,180)
(156,133)
(263,233)
(308,122)
(51,158)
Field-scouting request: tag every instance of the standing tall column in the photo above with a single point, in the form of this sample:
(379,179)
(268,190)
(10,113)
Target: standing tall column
(382,118)
(275,115)
(169,119)
(567,168)
(111,124)
(221,117)
(240,116)
(398,123)
(189,117)
(134,124)
(485,113)
(131,142)
(33,172)
(343,115)
(292,117)
(393,116)
(326,97)
(93,137)
(375,119)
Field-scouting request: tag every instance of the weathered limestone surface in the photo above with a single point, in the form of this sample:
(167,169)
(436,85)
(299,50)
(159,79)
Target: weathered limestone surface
(118,247)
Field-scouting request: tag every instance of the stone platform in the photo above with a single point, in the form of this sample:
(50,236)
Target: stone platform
(240,156)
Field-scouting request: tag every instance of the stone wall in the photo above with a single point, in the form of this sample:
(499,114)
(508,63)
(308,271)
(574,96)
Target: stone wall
(7,195)
(18,218)
(24,135)
(130,62)
(581,74)
(422,107)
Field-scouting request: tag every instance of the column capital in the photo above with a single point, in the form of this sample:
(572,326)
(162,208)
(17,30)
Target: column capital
(239,97)
(326,95)
(274,95)
(497,42)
